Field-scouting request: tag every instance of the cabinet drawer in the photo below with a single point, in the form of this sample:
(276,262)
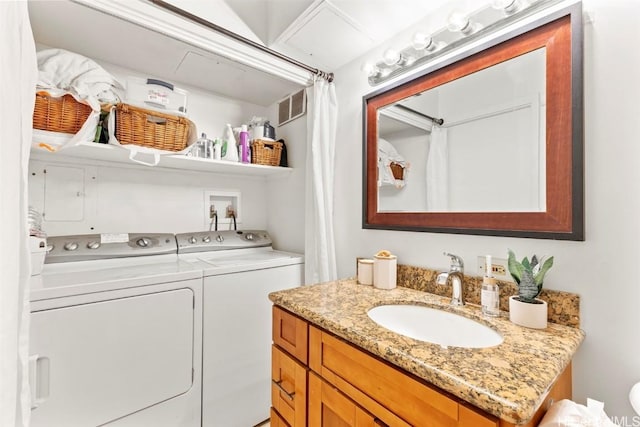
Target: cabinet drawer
(290,333)
(288,388)
(395,398)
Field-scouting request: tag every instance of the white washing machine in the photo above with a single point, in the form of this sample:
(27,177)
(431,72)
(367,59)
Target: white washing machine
(240,269)
(116,334)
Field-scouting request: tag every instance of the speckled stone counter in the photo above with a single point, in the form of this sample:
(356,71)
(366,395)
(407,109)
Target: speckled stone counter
(509,381)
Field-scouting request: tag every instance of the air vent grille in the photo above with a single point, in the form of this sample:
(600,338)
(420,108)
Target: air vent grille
(292,107)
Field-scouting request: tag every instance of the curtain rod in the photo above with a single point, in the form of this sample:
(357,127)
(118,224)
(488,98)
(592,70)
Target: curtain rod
(183,13)
(439,122)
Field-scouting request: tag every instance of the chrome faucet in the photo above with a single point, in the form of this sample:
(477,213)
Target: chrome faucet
(455,276)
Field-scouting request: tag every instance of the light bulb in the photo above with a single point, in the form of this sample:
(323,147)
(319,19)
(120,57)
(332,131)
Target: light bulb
(421,41)
(458,21)
(369,69)
(391,57)
(508,6)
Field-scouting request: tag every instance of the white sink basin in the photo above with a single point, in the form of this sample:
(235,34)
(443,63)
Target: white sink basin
(434,326)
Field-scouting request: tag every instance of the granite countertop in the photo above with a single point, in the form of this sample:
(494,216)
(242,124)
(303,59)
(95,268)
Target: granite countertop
(509,381)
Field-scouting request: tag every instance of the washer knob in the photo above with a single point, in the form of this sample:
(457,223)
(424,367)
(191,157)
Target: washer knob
(93,245)
(143,242)
(70,246)
(206,239)
(192,240)
(219,238)
(250,236)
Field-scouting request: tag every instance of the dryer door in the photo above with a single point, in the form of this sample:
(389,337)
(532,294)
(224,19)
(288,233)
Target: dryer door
(93,363)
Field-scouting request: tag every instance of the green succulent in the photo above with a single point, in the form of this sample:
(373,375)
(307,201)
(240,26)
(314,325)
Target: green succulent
(528,275)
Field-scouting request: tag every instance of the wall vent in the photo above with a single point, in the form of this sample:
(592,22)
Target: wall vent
(292,107)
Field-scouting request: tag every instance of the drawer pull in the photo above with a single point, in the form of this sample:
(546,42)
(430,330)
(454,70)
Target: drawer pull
(279,385)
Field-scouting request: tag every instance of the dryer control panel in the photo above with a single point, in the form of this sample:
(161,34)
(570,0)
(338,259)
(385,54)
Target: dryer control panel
(109,245)
(206,241)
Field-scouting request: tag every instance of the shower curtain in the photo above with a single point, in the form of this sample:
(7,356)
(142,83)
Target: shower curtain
(320,257)
(437,171)
(18,75)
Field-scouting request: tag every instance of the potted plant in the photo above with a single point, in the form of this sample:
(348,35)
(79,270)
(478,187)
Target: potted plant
(525,309)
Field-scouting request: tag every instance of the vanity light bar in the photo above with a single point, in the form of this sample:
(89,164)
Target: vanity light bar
(460,30)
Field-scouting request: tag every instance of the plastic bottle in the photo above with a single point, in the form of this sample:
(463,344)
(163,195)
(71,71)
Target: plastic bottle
(217,148)
(229,149)
(244,145)
(490,294)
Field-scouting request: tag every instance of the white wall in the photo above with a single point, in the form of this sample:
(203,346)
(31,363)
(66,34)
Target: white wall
(603,269)
(286,194)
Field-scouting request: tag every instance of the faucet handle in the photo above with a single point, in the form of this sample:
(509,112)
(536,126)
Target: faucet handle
(456,262)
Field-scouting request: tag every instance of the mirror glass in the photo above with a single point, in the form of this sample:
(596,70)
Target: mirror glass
(486,143)
(491,143)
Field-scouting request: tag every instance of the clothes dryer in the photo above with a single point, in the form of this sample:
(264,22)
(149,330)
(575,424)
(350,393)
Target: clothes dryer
(116,333)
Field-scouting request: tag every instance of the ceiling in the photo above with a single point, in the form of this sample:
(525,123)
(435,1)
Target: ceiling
(324,34)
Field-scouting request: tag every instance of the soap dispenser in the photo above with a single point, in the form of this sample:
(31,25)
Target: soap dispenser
(490,294)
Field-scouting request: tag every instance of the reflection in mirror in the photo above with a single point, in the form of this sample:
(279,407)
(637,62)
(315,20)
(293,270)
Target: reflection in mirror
(489,141)
(488,155)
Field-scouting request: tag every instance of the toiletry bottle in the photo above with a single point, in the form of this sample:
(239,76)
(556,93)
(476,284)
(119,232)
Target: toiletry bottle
(244,145)
(490,296)
(229,149)
(217,148)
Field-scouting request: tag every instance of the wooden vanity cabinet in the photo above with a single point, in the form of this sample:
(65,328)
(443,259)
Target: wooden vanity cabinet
(347,386)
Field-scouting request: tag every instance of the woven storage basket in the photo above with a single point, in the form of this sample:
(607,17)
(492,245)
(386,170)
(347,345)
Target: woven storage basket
(62,114)
(149,128)
(266,152)
(397,170)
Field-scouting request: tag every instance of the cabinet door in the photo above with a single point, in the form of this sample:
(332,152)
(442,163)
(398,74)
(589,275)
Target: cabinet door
(377,386)
(289,388)
(276,420)
(97,362)
(472,417)
(330,408)
(290,333)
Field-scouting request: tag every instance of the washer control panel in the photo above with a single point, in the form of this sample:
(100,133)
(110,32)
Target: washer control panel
(203,241)
(103,246)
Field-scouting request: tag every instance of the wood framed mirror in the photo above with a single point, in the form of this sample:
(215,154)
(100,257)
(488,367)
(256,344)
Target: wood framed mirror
(512,164)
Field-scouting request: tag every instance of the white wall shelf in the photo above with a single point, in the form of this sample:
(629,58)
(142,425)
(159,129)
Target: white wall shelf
(120,156)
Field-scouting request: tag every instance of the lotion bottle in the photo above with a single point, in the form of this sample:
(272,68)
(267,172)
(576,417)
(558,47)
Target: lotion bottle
(490,295)
(244,145)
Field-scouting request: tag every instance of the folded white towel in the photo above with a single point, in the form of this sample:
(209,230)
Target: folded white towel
(77,74)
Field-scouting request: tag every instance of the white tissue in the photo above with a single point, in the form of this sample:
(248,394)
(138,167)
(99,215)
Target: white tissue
(567,413)
(634,398)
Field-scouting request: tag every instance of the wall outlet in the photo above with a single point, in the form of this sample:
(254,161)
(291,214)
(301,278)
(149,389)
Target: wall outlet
(498,267)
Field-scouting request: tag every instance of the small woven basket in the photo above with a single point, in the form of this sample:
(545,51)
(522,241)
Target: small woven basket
(149,128)
(62,114)
(397,170)
(266,152)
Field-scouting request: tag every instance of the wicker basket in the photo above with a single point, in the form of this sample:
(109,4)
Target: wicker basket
(62,114)
(397,170)
(266,152)
(149,128)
